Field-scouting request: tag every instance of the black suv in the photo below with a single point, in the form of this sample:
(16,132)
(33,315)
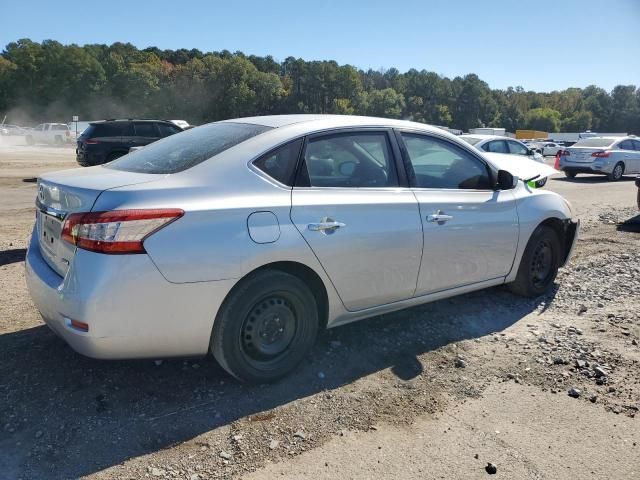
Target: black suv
(107,140)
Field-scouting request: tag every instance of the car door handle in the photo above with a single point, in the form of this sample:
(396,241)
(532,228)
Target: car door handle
(439,218)
(325,226)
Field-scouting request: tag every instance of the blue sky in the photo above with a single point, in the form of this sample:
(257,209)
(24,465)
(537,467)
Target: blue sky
(541,45)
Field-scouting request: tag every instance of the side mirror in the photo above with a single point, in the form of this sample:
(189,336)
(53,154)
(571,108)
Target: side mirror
(531,152)
(506,181)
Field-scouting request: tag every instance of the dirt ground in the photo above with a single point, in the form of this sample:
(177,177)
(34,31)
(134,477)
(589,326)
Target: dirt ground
(436,391)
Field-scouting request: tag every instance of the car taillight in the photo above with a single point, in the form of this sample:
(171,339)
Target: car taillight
(91,141)
(565,153)
(117,231)
(68,133)
(600,154)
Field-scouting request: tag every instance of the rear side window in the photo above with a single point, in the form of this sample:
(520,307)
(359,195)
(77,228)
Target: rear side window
(104,130)
(60,127)
(281,163)
(360,160)
(497,146)
(626,145)
(636,144)
(187,149)
(145,129)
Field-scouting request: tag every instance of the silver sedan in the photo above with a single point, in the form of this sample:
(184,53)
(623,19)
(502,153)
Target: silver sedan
(244,238)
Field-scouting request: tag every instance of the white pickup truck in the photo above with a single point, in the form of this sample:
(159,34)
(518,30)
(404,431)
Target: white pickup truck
(51,134)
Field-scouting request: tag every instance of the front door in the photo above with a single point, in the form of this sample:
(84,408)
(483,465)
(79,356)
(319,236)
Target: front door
(362,226)
(470,230)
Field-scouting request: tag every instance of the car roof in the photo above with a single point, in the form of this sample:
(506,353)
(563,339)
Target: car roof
(115,120)
(483,136)
(318,122)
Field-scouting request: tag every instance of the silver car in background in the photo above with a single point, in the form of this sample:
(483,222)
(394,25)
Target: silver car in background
(245,237)
(612,156)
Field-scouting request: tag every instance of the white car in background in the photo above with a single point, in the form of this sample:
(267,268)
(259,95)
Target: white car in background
(611,156)
(551,148)
(505,145)
(50,134)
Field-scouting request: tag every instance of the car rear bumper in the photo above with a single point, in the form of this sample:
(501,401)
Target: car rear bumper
(603,166)
(131,310)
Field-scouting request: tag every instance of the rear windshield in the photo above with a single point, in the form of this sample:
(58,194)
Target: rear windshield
(594,142)
(187,149)
(471,140)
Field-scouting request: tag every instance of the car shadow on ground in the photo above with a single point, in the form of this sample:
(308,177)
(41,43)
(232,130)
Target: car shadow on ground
(12,256)
(64,415)
(588,178)
(630,225)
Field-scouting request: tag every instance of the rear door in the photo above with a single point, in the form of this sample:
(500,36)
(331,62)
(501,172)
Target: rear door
(145,133)
(362,225)
(470,230)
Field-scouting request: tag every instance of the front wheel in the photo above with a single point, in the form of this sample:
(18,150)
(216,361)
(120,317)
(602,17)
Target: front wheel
(541,183)
(617,172)
(539,264)
(266,326)
(570,174)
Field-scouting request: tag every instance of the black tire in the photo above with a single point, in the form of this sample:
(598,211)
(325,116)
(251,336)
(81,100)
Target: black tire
(30,140)
(539,264)
(58,141)
(638,198)
(265,327)
(570,174)
(616,173)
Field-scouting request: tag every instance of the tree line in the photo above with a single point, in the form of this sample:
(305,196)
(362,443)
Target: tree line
(50,81)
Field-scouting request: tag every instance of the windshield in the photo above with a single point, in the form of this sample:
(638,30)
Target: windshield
(594,142)
(186,149)
(471,140)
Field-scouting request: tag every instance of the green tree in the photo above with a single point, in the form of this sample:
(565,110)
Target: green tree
(544,119)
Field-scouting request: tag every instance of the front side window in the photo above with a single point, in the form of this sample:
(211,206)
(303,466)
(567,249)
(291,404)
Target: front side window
(518,149)
(359,160)
(281,163)
(437,163)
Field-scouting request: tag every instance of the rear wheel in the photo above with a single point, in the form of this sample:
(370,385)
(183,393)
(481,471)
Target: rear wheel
(539,264)
(617,172)
(58,141)
(570,174)
(265,327)
(30,140)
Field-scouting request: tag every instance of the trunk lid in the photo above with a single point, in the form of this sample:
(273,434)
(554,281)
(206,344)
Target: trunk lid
(582,154)
(71,191)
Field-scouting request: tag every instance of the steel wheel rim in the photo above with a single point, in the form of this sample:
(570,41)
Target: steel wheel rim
(542,264)
(617,171)
(269,328)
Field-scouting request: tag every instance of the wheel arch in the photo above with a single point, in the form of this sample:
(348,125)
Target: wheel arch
(305,274)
